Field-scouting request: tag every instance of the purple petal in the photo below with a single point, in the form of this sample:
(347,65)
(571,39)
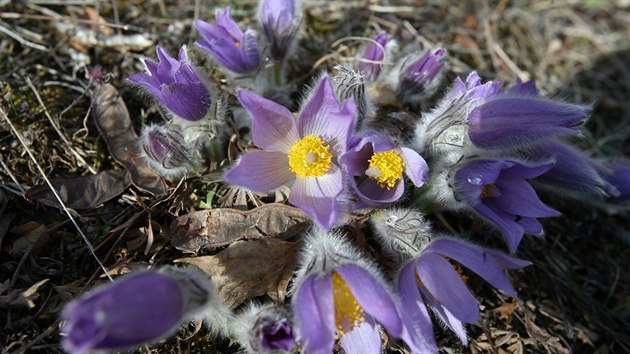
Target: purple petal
(513,230)
(417,330)
(519,198)
(485,262)
(210,31)
(373,297)
(374,52)
(318,197)
(273,126)
(148,82)
(249,51)
(261,171)
(371,194)
(451,322)
(324,117)
(364,338)
(509,122)
(315,313)
(443,282)
(416,167)
(224,19)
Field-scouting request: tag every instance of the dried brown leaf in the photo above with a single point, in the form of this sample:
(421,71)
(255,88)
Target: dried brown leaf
(219,227)
(83,192)
(27,239)
(113,122)
(505,311)
(250,268)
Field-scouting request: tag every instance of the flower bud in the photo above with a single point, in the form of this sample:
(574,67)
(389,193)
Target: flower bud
(138,308)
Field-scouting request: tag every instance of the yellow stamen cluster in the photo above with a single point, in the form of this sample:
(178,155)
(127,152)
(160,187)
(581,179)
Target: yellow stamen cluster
(348,311)
(386,168)
(489,191)
(310,157)
(237,44)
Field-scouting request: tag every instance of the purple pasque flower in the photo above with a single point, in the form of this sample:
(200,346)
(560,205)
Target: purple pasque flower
(120,315)
(373,57)
(264,329)
(301,153)
(375,167)
(517,116)
(620,179)
(176,85)
(227,43)
(499,191)
(280,22)
(338,293)
(419,74)
(572,170)
(167,151)
(432,277)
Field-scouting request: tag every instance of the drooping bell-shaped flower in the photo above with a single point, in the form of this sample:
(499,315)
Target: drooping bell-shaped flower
(419,75)
(300,152)
(620,180)
(176,85)
(280,22)
(500,192)
(373,56)
(476,115)
(430,271)
(338,293)
(572,170)
(376,168)
(167,151)
(228,44)
(265,329)
(136,309)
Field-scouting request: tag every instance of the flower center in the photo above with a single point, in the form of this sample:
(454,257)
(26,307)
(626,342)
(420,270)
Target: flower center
(348,311)
(490,191)
(386,168)
(310,157)
(237,44)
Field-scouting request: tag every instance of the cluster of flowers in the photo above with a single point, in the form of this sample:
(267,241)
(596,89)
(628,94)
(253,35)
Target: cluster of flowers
(486,148)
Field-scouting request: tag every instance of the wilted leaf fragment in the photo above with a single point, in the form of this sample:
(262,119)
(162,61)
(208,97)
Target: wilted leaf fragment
(113,122)
(219,227)
(247,269)
(83,192)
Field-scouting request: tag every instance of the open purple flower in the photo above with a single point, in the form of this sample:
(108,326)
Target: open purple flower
(374,55)
(280,23)
(176,85)
(432,277)
(120,315)
(376,167)
(227,43)
(418,76)
(301,153)
(347,301)
(339,293)
(499,191)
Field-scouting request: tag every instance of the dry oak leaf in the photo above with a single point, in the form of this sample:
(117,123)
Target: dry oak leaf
(219,227)
(250,268)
